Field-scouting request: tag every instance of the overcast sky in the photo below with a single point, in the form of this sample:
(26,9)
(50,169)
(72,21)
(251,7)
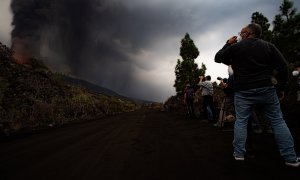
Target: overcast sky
(132,46)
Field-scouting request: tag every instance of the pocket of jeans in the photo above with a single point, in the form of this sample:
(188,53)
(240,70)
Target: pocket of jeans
(271,95)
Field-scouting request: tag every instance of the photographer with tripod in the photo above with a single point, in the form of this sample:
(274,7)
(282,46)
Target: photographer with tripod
(227,113)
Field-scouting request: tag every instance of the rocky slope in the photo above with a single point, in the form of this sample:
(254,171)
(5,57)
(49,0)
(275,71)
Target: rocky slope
(32,97)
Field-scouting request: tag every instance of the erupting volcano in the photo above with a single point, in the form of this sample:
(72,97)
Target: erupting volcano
(20,49)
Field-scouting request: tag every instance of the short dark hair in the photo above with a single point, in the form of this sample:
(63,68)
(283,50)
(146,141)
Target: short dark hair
(208,78)
(255,29)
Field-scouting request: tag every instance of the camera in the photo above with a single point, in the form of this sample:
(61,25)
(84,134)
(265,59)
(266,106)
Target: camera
(225,80)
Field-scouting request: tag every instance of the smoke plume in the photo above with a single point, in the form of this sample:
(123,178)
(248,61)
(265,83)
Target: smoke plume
(74,37)
(103,41)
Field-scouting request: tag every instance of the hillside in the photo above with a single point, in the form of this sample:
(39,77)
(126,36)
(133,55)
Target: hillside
(32,97)
(93,88)
(90,86)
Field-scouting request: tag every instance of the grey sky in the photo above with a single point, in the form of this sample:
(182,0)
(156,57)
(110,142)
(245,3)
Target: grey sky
(132,46)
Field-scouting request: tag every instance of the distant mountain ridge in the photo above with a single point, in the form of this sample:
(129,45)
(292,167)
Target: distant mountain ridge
(90,86)
(99,89)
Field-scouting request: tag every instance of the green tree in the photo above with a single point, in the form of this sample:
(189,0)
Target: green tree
(286,31)
(186,70)
(287,9)
(188,50)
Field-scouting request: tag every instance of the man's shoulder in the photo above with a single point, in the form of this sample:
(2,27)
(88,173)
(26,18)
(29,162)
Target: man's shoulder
(261,41)
(205,83)
(208,82)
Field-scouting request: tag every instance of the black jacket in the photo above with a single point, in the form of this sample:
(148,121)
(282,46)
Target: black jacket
(253,62)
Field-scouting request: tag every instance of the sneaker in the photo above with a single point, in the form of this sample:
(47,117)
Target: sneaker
(237,158)
(217,124)
(294,163)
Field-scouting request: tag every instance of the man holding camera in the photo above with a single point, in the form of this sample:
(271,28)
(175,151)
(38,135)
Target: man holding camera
(294,100)
(253,62)
(207,95)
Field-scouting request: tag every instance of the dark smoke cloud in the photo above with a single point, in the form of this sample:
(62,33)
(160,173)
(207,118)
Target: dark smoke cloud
(56,26)
(92,39)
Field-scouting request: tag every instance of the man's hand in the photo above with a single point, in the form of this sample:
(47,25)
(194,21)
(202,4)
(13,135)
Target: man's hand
(201,78)
(232,40)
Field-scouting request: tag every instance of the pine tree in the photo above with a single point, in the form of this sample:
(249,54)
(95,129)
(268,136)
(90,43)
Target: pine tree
(186,70)
(286,31)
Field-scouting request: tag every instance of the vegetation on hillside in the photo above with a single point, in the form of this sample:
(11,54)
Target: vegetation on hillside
(32,97)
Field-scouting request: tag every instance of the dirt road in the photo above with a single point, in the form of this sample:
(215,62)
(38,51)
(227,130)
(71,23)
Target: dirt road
(141,145)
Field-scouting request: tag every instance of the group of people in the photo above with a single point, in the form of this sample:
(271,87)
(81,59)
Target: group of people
(254,62)
(207,105)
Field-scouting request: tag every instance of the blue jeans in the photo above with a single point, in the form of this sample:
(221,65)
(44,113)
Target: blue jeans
(207,102)
(267,98)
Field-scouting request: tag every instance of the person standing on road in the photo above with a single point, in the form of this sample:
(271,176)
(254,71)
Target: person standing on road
(227,107)
(207,95)
(294,113)
(253,61)
(189,100)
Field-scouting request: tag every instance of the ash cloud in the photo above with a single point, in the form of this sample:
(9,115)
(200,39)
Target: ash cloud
(97,40)
(53,29)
